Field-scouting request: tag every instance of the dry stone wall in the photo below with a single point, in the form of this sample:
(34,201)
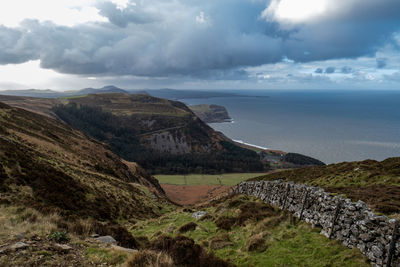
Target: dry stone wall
(354,224)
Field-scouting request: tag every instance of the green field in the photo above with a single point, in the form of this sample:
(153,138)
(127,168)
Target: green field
(206,179)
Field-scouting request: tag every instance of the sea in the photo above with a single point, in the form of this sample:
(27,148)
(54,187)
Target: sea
(332,126)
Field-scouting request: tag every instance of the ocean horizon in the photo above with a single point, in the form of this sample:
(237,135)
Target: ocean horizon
(332,126)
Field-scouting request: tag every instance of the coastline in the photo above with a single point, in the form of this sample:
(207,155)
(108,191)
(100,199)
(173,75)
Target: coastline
(251,145)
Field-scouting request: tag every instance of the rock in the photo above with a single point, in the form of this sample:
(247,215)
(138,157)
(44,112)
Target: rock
(351,208)
(18,246)
(62,248)
(377,251)
(106,239)
(199,214)
(366,237)
(129,250)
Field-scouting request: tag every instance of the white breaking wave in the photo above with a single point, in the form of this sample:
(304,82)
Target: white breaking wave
(248,144)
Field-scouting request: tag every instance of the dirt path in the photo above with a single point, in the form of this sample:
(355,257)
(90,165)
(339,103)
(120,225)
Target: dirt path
(193,194)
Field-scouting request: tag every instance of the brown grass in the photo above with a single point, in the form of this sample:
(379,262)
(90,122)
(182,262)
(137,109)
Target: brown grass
(257,243)
(220,241)
(51,167)
(146,258)
(15,220)
(185,252)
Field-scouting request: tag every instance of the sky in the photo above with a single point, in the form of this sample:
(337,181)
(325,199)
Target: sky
(195,44)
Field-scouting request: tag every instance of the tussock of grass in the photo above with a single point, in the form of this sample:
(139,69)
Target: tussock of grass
(187,227)
(257,242)
(16,220)
(147,258)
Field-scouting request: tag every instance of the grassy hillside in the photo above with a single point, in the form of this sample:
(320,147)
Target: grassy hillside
(48,165)
(376,183)
(246,232)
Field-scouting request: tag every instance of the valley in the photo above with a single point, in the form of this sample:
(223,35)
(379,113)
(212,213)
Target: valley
(200,133)
(76,187)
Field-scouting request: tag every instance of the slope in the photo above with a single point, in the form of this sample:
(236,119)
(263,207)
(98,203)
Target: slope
(50,166)
(376,183)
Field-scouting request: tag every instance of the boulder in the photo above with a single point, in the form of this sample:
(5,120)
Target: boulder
(62,248)
(18,246)
(106,239)
(118,248)
(199,214)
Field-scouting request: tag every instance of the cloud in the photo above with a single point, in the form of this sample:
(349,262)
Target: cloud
(319,70)
(330,70)
(381,63)
(203,40)
(338,32)
(346,70)
(123,16)
(395,77)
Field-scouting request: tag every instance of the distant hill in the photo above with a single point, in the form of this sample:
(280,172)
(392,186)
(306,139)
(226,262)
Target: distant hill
(163,136)
(56,94)
(104,90)
(33,93)
(48,165)
(211,113)
(174,94)
(376,183)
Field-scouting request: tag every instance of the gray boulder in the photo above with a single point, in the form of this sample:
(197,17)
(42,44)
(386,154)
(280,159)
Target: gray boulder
(106,239)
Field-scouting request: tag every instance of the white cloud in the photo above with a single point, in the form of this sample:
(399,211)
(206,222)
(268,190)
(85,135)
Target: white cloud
(296,11)
(121,4)
(62,12)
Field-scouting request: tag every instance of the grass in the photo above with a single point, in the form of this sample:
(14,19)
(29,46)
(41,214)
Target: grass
(15,220)
(206,179)
(287,242)
(98,256)
(18,223)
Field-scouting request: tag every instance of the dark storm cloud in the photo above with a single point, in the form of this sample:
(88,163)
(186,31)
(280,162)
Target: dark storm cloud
(16,46)
(330,70)
(207,39)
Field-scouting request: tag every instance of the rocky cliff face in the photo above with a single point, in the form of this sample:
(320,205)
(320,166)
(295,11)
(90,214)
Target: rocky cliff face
(159,124)
(211,113)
